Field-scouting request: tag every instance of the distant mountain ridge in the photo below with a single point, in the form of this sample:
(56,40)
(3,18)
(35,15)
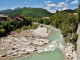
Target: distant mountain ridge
(32,12)
(28,12)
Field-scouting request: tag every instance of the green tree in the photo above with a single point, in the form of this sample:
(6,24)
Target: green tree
(79,12)
(57,11)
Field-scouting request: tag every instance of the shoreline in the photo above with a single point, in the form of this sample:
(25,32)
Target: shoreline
(69,52)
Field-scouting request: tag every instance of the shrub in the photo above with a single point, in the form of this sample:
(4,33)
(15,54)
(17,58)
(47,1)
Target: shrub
(18,30)
(1,27)
(25,27)
(2,32)
(41,25)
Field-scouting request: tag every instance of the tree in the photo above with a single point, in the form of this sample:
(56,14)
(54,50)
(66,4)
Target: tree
(57,11)
(79,12)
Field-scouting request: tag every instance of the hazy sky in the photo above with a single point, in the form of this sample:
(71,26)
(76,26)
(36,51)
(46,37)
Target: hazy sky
(50,5)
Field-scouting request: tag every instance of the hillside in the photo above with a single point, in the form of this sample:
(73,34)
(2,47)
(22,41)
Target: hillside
(70,11)
(32,12)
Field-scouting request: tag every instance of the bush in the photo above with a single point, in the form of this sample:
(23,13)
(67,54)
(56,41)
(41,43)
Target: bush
(1,27)
(34,26)
(25,27)
(41,25)
(2,32)
(18,30)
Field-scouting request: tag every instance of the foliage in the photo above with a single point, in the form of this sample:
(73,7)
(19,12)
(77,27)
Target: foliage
(27,20)
(1,27)
(70,11)
(29,12)
(67,23)
(41,25)
(2,32)
(17,30)
(0,19)
(25,27)
(57,11)
(34,26)
(78,12)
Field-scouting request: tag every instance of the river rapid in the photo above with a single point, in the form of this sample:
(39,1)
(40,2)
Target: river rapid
(52,51)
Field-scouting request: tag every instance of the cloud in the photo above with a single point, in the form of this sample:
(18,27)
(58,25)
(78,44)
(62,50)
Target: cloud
(61,4)
(59,9)
(13,8)
(65,4)
(75,7)
(64,8)
(26,6)
(25,2)
(66,0)
(48,8)
(53,11)
(4,8)
(74,2)
(47,2)
(35,6)
(41,5)
(52,5)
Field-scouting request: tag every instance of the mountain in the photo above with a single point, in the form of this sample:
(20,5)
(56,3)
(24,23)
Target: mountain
(27,11)
(5,11)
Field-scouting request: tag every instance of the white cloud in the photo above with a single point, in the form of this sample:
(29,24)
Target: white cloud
(48,8)
(13,8)
(53,11)
(26,6)
(75,7)
(65,4)
(61,4)
(25,2)
(35,6)
(66,0)
(41,5)
(59,9)
(52,5)
(64,8)
(74,2)
(4,8)
(0,10)
(47,2)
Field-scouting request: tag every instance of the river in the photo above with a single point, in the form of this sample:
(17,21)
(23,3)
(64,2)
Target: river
(56,47)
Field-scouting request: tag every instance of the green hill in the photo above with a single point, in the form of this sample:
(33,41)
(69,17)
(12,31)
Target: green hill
(32,12)
(70,11)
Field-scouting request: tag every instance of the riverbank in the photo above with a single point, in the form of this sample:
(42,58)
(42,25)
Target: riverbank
(69,52)
(24,45)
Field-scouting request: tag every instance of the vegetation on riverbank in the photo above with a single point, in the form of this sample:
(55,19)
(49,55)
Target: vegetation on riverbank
(67,23)
(16,25)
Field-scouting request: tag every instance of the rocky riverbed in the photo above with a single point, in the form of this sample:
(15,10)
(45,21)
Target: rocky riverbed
(69,52)
(23,45)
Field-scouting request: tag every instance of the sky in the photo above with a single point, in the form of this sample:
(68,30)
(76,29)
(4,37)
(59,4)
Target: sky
(50,5)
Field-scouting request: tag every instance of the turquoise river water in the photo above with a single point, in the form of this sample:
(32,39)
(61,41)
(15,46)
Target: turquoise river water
(56,51)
